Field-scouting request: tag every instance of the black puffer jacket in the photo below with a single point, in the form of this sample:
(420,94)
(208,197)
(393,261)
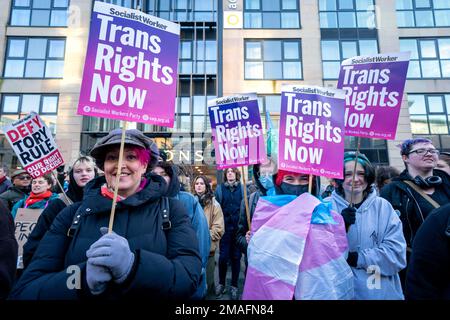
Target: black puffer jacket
(167,263)
(428,274)
(74,193)
(412,206)
(8,251)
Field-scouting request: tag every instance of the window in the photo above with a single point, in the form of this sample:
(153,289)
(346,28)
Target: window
(15,106)
(347,14)
(271,14)
(34,58)
(183,10)
(39,13)
(335,51)
(273,59)
(430,57)
(123,3)
(198,57)
(198,51)
(423,13)
(430,113)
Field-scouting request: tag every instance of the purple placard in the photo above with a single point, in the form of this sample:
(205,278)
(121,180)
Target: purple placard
(236,131)
(374,90)
(130,72)
(312,131)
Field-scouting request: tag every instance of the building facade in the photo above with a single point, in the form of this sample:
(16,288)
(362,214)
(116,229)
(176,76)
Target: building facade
(227,47)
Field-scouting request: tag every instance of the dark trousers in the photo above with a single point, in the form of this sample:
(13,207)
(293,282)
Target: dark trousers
(229,252)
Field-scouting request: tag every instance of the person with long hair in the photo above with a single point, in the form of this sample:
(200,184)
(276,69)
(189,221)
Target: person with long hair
(83,171)
(213,213)
(374,232)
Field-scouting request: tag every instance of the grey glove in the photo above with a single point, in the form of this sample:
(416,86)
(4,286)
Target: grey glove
(97,278)
(113,252)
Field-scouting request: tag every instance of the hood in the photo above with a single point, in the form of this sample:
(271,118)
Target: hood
(155,188)
(342,203)
(74,191)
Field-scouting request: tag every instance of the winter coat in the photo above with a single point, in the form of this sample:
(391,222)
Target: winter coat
(378,239)
(5,185)
(38,205)
(43,224)
(428,275)
(74,193)
(8,252)
(230,202)
(167,264)
(13,195)
(214,217)
(412,206)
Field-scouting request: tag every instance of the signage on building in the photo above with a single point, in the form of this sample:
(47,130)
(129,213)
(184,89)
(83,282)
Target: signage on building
(130,71)
(232,14)
(33,143)
(374,91)
(312,131)
(237,131)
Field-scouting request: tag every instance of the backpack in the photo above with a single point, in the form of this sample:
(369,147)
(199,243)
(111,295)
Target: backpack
(164,210)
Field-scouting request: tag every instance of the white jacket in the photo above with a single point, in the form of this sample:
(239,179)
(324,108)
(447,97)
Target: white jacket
(377,236)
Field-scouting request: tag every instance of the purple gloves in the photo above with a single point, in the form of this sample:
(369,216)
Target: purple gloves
(109,258)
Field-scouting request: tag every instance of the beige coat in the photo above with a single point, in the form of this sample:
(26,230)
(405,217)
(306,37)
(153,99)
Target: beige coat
(214,215)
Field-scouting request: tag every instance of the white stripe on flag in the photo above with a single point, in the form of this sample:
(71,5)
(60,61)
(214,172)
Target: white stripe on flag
(276,253)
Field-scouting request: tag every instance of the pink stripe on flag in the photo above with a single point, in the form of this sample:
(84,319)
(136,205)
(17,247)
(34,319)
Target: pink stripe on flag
(325,242)
(264,287)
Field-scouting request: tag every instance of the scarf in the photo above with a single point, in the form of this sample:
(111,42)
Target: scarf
(232,185)
(2,179)
(108,193)
(34,198)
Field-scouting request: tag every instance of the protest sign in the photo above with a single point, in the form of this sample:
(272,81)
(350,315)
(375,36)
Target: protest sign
(312,131)
(130,71)
(25,222)
(374,90)
(34,145)
(236,131)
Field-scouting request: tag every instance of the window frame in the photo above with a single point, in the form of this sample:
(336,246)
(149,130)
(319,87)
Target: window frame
(354,10)
(30,8)
(420,58)
(415,8)
(280,12)
(341,41)
(445,112)
(25,58)
(282,59)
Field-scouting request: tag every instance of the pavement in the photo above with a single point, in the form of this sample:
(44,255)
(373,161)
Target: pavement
(241,279)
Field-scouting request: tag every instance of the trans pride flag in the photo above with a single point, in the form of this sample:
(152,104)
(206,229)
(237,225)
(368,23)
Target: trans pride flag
(298,249)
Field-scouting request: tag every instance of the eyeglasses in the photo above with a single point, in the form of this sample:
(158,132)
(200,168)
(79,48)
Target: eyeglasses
(23,178)
(422,152)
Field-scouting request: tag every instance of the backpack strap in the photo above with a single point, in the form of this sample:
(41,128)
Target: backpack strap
(423,194)
(164,209)
(75,223)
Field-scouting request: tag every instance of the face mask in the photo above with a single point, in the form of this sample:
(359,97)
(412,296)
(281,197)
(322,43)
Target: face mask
(294,190)
(266,182)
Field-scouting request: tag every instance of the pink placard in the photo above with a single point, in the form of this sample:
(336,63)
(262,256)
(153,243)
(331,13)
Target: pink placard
(311,139)
(130,72)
